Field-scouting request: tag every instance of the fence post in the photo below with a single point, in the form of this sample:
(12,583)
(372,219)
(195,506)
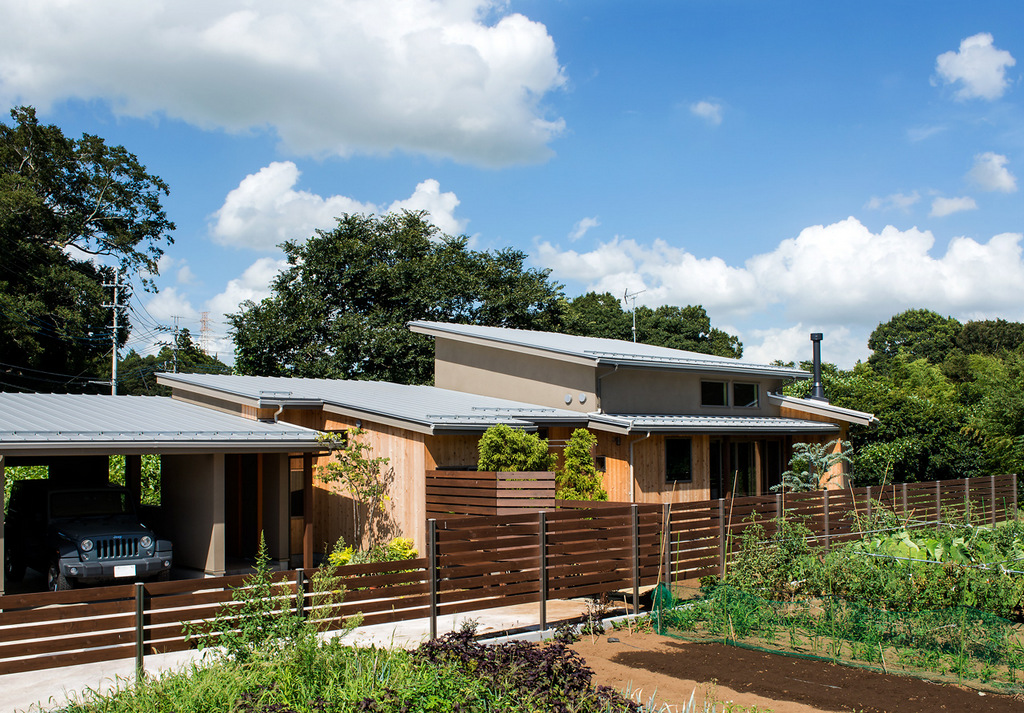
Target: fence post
(721,537)
(904,501)
(432,574)
(300,593)
(140,631)
(1015,495)
(824,507)
(938,504)
(543,585)
(967,500)
(666,531)
(870,507)
(778,506)
(636,559)
(992,480)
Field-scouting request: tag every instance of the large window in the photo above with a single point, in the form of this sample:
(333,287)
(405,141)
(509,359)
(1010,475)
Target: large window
(744,395)
(678,460)
(714,393)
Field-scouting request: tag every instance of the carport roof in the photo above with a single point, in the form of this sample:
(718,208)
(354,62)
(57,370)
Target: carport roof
(69,424)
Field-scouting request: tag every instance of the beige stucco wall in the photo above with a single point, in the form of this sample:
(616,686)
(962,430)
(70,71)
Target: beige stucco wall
(648,391)
(192,500)
(512,375)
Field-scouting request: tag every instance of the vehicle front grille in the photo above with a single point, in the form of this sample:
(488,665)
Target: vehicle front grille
(117,548)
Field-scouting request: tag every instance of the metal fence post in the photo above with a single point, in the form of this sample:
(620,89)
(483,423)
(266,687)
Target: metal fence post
(938,504)
(636,559)
(824,507)
(721,538)
(432,573)
(992,481)
(904,501)
(778,506)
(542,523)
(300,593)
(666,533)
(870,506)
(140,631)
(967,500)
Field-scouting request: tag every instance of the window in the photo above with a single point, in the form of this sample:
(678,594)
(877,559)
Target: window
(601,463)
(713,393)
(678,460)
(744,395)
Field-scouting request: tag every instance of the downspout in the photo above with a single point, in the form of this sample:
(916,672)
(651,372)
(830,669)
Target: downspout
(632,477)
(277,413)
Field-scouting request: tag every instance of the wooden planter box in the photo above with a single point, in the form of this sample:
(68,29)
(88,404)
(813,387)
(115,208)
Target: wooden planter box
(471,492)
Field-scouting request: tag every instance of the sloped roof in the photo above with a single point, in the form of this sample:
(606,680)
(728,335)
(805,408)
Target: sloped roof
(767,425)
(425,408)
(598,351)
(823,408)
(78,424)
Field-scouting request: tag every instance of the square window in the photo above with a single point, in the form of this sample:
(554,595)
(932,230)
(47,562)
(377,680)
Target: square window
(713,393)
(744,395)
(600,462)
(678,460)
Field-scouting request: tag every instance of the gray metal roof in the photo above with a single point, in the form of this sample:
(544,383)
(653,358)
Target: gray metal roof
(429,407)
(823,408)
(643,423)
(77,423)
(603,351)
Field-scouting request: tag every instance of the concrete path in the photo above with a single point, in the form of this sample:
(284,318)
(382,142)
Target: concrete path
(52,688)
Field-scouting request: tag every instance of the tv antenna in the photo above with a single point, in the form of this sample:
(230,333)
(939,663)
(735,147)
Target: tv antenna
(626,297)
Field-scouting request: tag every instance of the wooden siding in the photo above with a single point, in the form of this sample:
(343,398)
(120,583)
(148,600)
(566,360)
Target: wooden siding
(470,492)
(449,451)
(649,469)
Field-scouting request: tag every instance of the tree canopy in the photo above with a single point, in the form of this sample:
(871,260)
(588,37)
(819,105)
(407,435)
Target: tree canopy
(915,333)
(136,374)
(64,203)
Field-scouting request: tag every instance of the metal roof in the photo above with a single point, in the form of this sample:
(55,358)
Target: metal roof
(643,423)
(602,351)
(79,423)
(823,408)
(431,408)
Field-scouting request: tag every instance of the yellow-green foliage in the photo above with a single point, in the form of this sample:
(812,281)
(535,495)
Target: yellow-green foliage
(579,479)
(400,548)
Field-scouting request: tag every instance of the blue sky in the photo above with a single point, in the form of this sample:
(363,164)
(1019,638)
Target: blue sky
(792,166)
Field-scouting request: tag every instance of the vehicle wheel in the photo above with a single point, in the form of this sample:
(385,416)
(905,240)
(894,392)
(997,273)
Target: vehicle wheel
(55,579)
(14,568)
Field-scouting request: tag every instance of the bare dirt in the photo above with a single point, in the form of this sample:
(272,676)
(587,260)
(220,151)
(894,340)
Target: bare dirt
(671,670)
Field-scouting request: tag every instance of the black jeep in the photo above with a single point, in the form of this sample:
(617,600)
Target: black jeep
(79,535)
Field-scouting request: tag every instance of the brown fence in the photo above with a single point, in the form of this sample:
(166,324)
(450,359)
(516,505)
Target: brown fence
(477,563)
(470,492)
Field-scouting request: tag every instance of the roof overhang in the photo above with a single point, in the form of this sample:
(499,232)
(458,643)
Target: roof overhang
(824,409)
(716,425)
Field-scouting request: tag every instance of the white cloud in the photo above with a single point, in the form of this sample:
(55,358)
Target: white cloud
(895,201)
(254,284)
(265,209)
(942,207)
(839,346)
(438,77)
(709,111)
(582,226)
(978,68)
(990,173)
(831,277)
(922,133)
(169,303)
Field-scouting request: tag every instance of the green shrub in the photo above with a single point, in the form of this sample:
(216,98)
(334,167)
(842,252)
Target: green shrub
(579,479)
(400,548)
(503,448)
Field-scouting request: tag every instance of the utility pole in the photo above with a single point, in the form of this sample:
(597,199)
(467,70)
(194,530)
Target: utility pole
(626,297)
(174,343)
(116,306)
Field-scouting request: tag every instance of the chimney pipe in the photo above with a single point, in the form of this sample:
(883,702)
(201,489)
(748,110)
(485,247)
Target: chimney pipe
(817,390)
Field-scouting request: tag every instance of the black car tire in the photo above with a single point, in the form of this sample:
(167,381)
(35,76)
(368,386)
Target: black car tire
(55,579)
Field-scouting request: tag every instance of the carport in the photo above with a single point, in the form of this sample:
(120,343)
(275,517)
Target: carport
(223,477)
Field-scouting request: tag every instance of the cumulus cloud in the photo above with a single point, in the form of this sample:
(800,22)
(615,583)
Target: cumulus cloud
(840,345)
(709,111)
(895,201)
(266,209)
(829,277)
(170,303)
(990,173)
(453,78)
(582,226)
(253,284)
(942,207)
(978,69)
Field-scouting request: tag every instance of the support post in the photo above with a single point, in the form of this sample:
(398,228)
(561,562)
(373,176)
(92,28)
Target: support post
(721,538)
(992,481)
(432,574)
(824,507)
(938,503)
(778,506)
(967,500)
(542,532)
(666,530)
(300,593)
(870,506)
(636,559)
(140,631)
(307,511)
(1015,495)
(904,501)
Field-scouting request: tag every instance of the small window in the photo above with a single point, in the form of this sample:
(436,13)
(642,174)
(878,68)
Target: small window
(713,393)
(600,463)
(744,395)
(678,460)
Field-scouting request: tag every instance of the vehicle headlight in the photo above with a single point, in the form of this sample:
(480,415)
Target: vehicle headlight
(85,545)
(146,542)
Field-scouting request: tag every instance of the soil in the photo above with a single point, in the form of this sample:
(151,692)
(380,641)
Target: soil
(671,670)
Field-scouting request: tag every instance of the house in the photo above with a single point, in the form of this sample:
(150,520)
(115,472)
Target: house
(672,426)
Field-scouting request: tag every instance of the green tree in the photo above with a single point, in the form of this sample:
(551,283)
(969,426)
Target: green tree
(136,374)
(340,309)
(506,449)
(62,202)
(367,479)
(809,465)
(917,334)
(596,315)
(578,479)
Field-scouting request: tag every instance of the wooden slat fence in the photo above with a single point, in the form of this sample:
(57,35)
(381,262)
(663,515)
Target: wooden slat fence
(475,563)
(470,492)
